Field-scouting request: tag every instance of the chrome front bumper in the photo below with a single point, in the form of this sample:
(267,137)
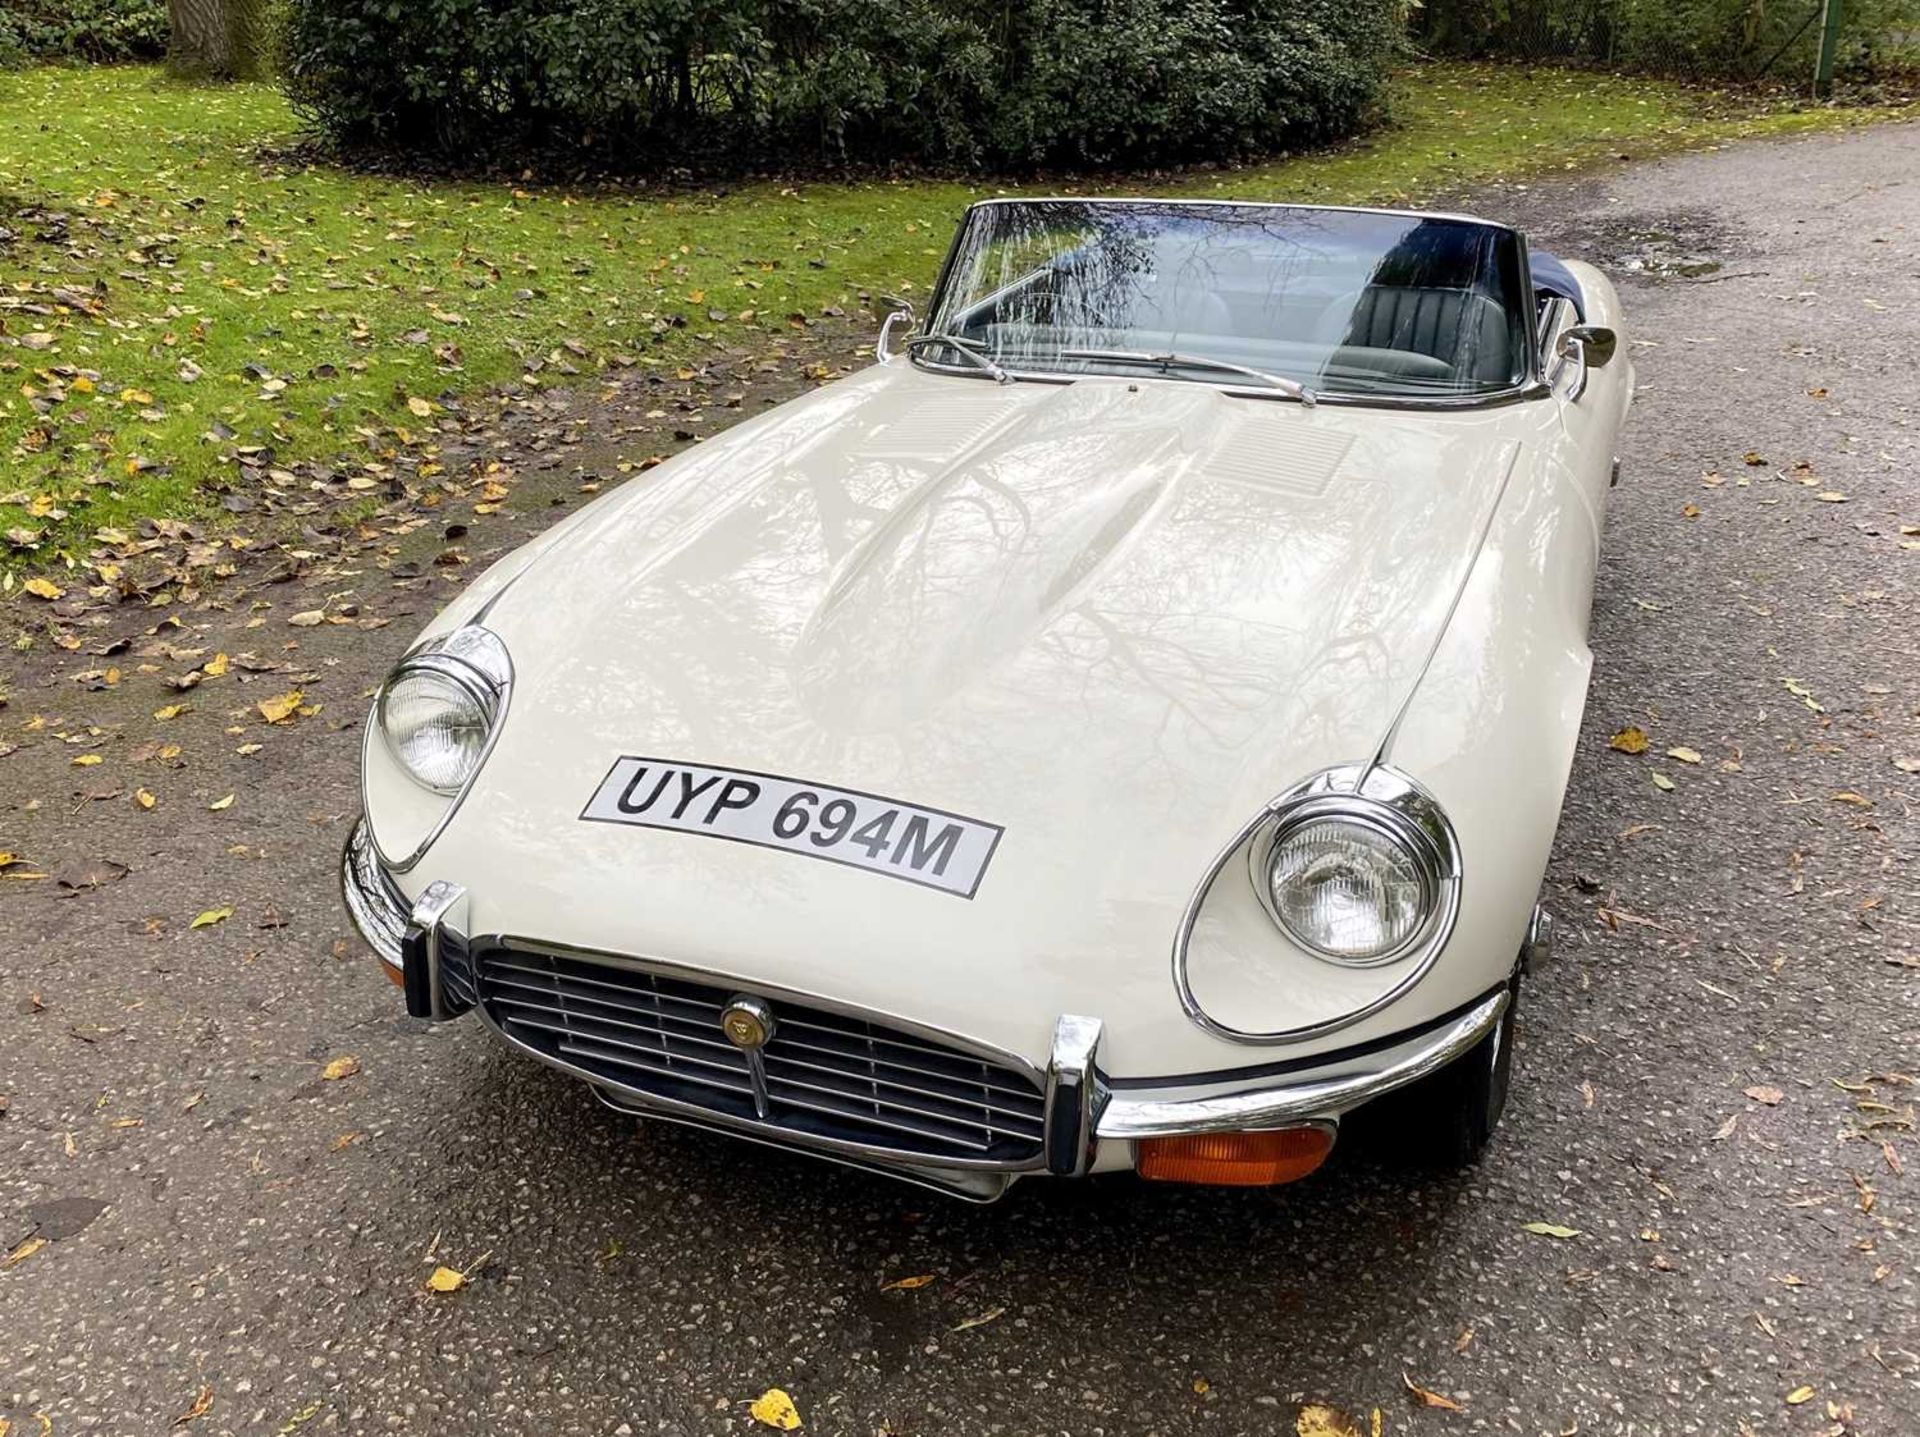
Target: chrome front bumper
(375,903)
(1088,1114)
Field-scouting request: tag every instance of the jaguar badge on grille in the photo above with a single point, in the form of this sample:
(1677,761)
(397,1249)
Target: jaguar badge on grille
(747,1022)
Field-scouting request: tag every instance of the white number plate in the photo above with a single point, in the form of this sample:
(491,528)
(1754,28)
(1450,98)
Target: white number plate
(901,840)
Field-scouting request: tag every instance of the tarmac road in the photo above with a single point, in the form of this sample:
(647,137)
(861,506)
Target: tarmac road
(1710,1090)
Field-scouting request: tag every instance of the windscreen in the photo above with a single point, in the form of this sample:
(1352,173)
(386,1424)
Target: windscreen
(1347,302)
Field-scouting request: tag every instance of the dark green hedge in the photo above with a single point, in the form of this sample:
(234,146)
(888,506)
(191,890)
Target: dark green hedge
(1692,39)
(1010,84)
(82,30)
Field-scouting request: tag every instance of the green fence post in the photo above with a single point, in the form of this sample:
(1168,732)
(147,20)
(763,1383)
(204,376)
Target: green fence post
(1829,44)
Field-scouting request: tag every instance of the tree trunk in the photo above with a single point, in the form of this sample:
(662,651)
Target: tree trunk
(215,39)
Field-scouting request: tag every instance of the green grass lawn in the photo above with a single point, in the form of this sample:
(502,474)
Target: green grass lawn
(204,293)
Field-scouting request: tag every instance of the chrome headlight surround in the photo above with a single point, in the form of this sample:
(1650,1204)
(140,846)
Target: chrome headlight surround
(1371,792)
(466,697)
(473,661)
(1388,807)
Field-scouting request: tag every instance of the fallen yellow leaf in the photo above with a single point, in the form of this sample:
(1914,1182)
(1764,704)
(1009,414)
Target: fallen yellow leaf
(171,711)
(1803,693)
(220,803)
(1318,1420)
(907,1284)
(1550,1229)
(202,1405)
(143,798)
(281,707)
(26,1250)
(419,406)
(1629,740)
(42,588)
(1761,1093)
(1685,755)
(445,1279)
(1429,1399)
(86,760)
(344,1066)
(1799,1395)
(1663,783)
(981,1321)
(214,667)
(210,917)
(773,1408)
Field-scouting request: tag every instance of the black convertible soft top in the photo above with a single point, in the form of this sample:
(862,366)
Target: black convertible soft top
(1550,276)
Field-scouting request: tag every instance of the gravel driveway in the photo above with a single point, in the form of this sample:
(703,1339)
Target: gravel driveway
(1716,1089)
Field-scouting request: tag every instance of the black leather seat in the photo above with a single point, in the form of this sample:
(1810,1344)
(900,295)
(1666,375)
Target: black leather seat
(1456,326)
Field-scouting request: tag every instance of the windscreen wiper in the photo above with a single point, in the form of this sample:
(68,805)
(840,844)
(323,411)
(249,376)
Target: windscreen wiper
(971,348)
(1293,388)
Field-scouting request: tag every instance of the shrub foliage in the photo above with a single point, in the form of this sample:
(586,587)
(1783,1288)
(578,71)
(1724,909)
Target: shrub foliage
(82,29)
(667,83)
(1693,39)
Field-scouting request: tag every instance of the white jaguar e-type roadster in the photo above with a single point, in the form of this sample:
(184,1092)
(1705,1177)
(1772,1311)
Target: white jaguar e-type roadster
(1122,729)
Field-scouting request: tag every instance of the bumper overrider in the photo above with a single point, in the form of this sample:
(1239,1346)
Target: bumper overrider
(870,1090)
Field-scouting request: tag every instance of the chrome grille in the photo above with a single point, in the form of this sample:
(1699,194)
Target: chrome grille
(456,973)
(822,1074)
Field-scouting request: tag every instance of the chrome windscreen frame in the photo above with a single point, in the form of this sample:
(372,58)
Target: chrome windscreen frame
(1375,794)
(477,659)
(1493,399)
(1534,384)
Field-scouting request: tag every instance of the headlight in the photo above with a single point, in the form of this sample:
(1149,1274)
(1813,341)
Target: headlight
(1346,888)
(439,709)
(1358,866)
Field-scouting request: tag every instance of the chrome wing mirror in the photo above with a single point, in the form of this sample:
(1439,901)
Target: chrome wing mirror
(1587,346)
(897,311)
(1592,343)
